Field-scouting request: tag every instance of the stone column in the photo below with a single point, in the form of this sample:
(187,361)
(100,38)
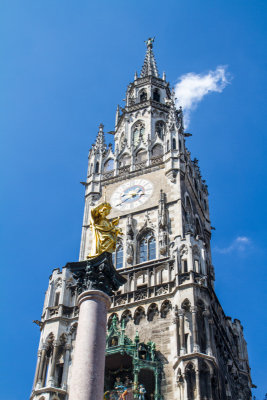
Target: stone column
(185,387)
(66,366)
(44,369)
(51,381)
(207,329)
(42,365)
(37,368)
(190,259)
(195,333)
(87,379)
(177,341)
(197,385)
(181,328)
(96,281)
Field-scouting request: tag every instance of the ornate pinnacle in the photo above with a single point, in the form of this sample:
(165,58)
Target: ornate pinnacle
(149,66)
(100,140)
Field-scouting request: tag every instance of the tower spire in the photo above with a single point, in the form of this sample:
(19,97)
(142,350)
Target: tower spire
(149,66)
(100,143)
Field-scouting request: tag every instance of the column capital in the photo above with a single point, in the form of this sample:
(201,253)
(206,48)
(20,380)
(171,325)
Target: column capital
(194,309)
(68,346)
(96,274)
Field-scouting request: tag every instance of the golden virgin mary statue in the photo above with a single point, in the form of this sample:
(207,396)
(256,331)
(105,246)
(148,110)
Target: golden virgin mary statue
(104,230)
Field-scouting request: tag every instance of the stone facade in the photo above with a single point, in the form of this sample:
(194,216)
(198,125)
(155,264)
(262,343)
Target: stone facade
(164,254)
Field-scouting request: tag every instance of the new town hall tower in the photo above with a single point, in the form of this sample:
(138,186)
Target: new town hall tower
(166,328)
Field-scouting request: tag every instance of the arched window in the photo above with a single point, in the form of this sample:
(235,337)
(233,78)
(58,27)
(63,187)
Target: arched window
(117,256)
(156,95)
(157,150)
(152,312)
(147,247)
(159,129)
(126,317)
(109,165)
(168,145)
(174,144)
(165,308)
(198,228)
(190,377)
(138,132)
(97,168)
(139,315)
(152,248)
(56,302)
(143,250)
(180,144)
(184,265)
(204,375)
(143,96)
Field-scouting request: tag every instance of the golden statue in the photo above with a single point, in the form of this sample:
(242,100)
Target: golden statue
(104,230)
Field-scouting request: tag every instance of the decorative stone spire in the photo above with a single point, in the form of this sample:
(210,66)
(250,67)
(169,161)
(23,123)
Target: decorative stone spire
(171,120)
(100,144)
(117,115)
(149,66)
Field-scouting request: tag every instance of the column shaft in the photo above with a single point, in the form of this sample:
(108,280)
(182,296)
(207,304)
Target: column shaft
(197,385)
(37,369)
(43,379)
(207,329)
(53,365)
(87,380)
(66,367)
(195,333)
(177,339)
(181,328)
(42,363)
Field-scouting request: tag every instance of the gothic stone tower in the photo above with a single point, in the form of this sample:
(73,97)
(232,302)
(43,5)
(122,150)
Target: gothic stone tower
(166,327)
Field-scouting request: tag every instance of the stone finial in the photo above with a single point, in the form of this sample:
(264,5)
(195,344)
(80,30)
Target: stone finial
(149,67)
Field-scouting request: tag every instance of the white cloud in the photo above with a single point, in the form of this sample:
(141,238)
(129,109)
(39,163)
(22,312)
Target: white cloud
(191,88)
(241,244)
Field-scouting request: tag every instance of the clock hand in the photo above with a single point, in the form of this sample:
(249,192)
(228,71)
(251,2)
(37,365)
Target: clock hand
(130,195)
(123,201)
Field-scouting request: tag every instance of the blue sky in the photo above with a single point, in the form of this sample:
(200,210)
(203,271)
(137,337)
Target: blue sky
(64,67)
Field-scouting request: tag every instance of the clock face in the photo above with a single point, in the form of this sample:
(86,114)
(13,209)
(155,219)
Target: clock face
(131,194)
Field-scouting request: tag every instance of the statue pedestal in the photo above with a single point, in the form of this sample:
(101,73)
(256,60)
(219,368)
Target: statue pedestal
(96,280)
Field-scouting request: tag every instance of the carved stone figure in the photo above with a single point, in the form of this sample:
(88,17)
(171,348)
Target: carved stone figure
(129,240)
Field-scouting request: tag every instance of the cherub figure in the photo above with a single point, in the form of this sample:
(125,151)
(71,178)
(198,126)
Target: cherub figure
(104,230)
